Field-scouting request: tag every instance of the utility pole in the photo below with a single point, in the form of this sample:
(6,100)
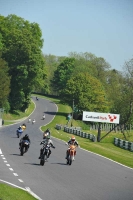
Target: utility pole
(99,132)
(72,113)
(1,115)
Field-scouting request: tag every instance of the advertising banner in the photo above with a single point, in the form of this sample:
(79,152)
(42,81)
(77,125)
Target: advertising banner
(101,117)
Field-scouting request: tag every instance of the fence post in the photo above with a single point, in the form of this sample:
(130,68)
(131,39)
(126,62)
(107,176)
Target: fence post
(99,132)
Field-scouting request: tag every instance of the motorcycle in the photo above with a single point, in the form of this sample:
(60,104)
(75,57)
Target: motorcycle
(19,132)
(43,117)
(33,122)
(24,147)
(23,127)
(71,154)
(45,154)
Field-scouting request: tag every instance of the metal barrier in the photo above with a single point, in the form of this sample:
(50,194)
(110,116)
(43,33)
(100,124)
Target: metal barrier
(123,144)
(77,131)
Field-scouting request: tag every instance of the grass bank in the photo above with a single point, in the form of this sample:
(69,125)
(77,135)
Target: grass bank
(10,118)
(8,192)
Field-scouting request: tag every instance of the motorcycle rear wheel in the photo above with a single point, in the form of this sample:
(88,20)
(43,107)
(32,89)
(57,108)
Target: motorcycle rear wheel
(70,161)
(22,151)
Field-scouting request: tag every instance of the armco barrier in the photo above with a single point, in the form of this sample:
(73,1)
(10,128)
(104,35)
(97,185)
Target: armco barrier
(116,141)
(123,144)
(84,134)
(76,131)
(130,146)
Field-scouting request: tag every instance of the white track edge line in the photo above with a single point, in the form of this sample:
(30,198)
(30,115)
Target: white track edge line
(13,185)
(25,189)
(100,155)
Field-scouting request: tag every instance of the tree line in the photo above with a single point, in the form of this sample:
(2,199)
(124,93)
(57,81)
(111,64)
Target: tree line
(87,79)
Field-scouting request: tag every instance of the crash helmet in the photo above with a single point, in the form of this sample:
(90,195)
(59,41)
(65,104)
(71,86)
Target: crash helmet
(45,136)
(73,138)
(26,135)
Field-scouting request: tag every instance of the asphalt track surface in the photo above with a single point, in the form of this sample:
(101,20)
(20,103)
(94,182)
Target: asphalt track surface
(90,177)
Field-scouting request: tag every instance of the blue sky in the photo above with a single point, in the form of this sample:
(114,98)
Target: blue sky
(102,27)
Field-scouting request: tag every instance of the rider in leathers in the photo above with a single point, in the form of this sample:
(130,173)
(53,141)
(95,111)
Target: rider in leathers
(72,141)
(46,141)
(26,137)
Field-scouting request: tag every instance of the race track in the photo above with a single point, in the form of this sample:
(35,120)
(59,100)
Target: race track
(90,177)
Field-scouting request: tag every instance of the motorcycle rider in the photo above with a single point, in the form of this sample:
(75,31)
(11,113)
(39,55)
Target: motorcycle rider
(46,141)
(19,130)
(72,141)
(46,133)
(43,116)
(23,127)
(26,137)
(33,122)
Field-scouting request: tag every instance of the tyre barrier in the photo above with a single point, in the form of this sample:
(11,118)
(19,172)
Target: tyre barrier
(76,131)
(123,144)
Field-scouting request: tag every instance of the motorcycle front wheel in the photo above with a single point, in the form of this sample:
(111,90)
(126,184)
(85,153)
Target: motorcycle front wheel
(69,160)
(42,162)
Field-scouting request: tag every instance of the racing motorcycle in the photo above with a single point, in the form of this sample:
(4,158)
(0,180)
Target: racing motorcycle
(71,154)
(23,127)
(19,132)
(44,155)
(24,147)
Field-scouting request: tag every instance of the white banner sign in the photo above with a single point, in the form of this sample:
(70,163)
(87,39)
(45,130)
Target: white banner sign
(101,117)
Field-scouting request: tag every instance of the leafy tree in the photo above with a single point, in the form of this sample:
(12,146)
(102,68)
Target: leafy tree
(51,63)
(124,103)
(4,83)
(114,81)
(88,62)
(62,74)
(1,45)
(22,50)
(87,92)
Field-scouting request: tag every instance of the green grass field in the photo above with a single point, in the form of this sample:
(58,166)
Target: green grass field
(10,193)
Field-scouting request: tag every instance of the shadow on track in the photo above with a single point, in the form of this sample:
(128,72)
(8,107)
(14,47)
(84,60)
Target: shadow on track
(59,163)
(14,154)
(32,164)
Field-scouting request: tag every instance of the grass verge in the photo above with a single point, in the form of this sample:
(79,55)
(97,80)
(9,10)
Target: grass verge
(8,192)
(9,118)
